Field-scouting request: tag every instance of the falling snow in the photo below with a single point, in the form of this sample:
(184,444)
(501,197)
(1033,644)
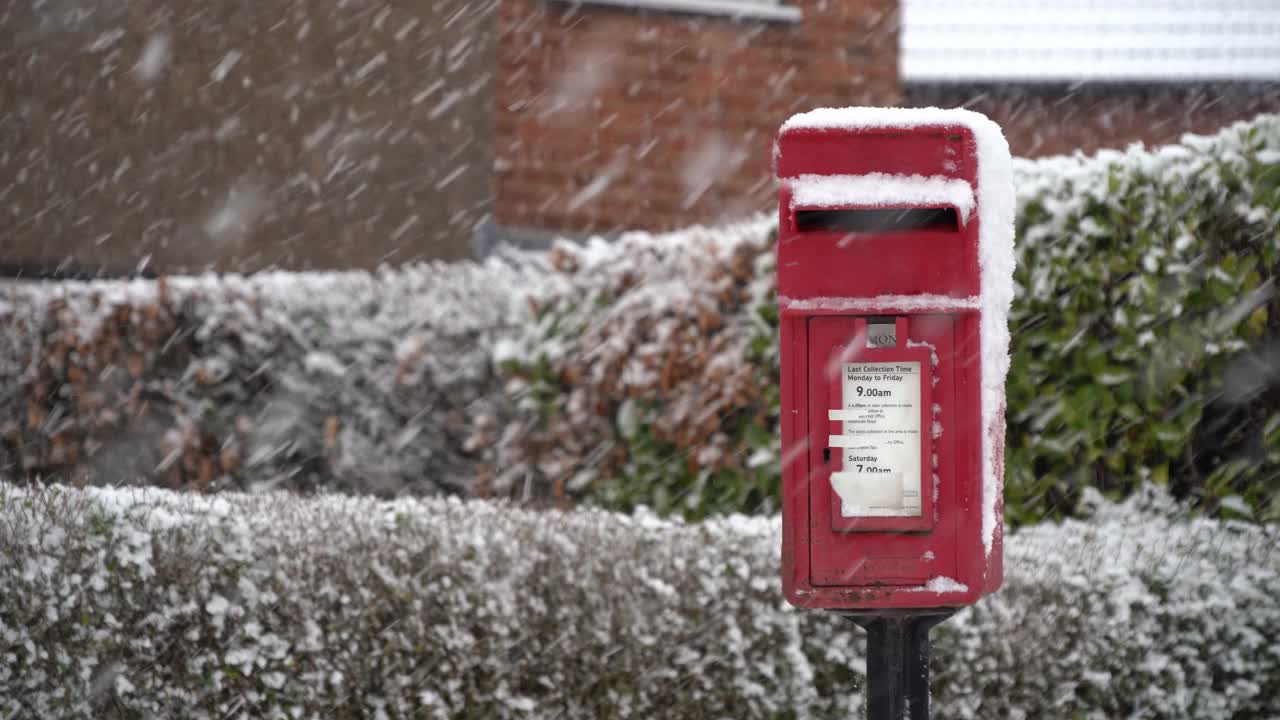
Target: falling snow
(154,56)
(148,140)
(224,67)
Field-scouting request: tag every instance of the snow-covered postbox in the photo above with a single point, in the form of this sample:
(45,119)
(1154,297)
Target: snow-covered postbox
(895,262)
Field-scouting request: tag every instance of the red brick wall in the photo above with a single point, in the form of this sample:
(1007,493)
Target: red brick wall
(611,118)
(1056,119)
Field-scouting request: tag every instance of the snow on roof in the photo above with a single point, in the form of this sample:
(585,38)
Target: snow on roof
(881,189)
(996,207)
(1073,40)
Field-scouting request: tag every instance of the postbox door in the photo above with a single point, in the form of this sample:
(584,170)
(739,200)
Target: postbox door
(878,449)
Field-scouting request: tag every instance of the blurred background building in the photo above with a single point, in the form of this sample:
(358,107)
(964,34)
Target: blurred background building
(235,136)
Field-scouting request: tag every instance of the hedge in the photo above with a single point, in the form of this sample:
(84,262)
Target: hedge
(123,603)
(1147,325)
(649,379)
(1145,346)
(345,381)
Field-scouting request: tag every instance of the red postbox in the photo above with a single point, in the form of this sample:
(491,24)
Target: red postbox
(895,264)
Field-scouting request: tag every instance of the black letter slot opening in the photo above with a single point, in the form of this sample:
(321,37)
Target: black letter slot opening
(879,220)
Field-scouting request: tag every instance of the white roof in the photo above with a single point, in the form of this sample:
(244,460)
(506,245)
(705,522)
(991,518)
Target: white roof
(1073,40)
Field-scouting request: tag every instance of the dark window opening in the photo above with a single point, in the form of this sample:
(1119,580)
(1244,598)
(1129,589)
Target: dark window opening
(878,220)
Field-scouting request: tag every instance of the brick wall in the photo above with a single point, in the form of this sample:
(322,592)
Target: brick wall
(237,134)
(613,118)
(1054,119)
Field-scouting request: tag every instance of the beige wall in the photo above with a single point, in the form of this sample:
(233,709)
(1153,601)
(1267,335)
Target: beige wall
(242,134)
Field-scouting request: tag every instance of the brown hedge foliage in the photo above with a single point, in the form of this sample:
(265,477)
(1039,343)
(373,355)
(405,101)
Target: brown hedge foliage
(654,331)
(350,381)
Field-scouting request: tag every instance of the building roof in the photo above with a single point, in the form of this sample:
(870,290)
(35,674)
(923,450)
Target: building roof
(1098,40)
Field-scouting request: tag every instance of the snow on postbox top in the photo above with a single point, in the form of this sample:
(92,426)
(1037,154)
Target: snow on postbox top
(895,263)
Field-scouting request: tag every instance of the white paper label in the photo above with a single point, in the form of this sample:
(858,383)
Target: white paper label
(880,442)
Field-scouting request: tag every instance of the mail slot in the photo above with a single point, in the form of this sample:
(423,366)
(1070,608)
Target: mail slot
(894,273)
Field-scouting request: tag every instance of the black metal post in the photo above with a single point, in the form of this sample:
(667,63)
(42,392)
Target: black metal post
(898,662)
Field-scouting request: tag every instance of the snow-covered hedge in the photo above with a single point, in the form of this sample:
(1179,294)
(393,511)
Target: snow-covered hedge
(147,603)
(356,381)
(1147,326)
(645,375)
